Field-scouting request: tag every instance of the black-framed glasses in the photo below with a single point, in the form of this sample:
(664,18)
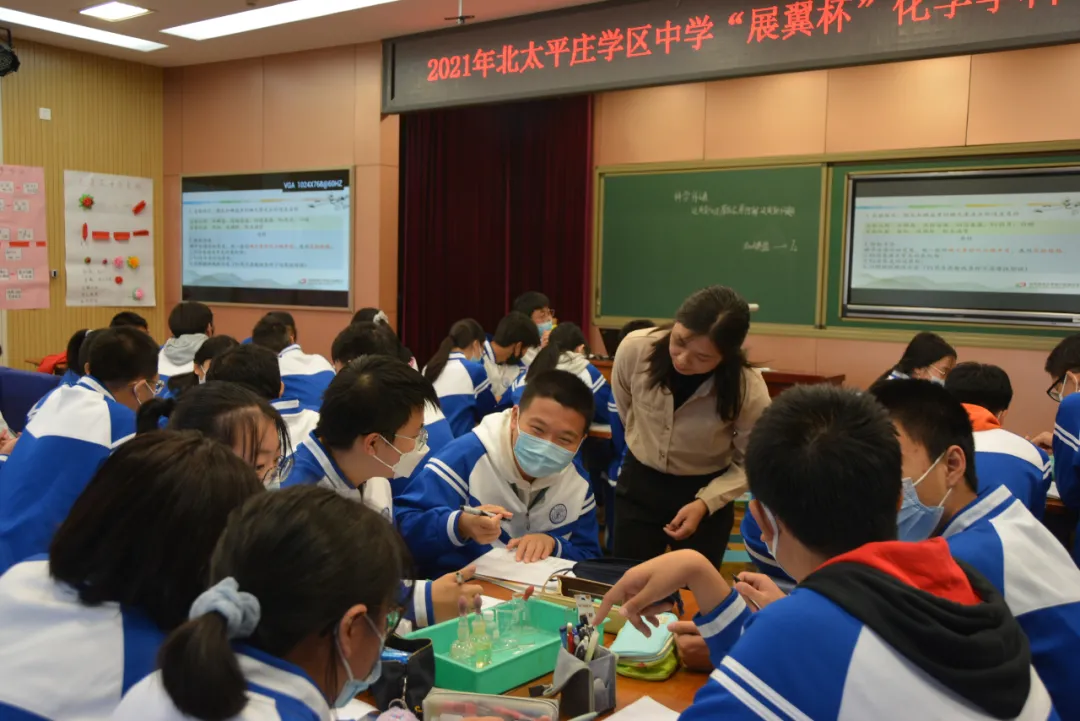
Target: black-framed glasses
(1055,389)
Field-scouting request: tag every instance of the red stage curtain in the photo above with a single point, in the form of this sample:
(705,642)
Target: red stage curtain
(494,201)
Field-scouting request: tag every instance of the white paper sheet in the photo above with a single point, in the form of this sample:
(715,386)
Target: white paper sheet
(501,564)
(356,709)
(644,709)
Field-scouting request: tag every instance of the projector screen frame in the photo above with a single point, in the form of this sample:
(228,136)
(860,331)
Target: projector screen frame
(350,266)
(940,314)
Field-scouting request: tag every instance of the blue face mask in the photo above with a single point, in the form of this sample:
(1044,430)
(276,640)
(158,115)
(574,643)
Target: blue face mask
(540,458)
(353,686)
(545,326)
(916,521)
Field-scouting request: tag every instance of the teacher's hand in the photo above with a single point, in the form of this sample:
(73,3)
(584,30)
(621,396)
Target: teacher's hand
(687,520)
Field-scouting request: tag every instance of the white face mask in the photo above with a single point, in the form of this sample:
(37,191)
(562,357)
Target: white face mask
(774,545)
(407,462)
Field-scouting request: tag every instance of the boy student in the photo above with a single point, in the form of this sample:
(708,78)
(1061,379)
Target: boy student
(988,528)
(70,433)
(371,338)
(1001,458)
(131,319)
(515,337)
(191,323)
(257,368)
(537,306)
(1063,367)
(371,428)
(518,466)
(305,376)
(876,629)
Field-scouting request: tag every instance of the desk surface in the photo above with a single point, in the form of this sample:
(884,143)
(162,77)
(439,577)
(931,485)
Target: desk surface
(676,693)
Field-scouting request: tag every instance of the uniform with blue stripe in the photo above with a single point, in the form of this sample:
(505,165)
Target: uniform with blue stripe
(806,658)
(1006,459)
(306,377)
(464,393)
(997,535)
(314,465)
(300,421)
(69,435)
(479,469)
(1066,447)
(276,691)
(62,659)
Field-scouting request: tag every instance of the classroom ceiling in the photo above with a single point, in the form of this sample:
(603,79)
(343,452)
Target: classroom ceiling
(366,25)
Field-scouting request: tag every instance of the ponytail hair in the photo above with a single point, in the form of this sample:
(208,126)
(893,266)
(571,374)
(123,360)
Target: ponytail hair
(294,551)
(462,334)
(200,671)
(564,338)
(150,414)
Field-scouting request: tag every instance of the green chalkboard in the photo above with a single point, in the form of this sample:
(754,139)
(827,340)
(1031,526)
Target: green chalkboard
(663,235)
(837,229)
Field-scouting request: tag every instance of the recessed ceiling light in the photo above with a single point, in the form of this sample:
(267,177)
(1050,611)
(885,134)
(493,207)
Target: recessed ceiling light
(281,14)
(114,11)
(17,17)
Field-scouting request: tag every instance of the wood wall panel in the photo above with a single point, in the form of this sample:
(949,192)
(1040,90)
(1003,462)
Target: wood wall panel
(106,118)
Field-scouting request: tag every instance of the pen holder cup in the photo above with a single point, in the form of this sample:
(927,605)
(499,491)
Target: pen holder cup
(585,687)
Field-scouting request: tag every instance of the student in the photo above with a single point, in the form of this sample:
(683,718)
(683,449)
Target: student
(292,625)
(191,323)
(256,368)
(211,349)
(927,357)
(987,528)
(688,399)
(80,627)
(70,433)
(372,428)
(230,414)
(1001,458)
(537,306)
(74,372)
(374,315)
(305,376)
(519,465)
(515,336)
(1063,367)
(130,319)
(876,629)
(367,338)
(457,372)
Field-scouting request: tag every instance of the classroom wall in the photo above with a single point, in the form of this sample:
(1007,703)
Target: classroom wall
(106,117)
(310,110)
(1011,97)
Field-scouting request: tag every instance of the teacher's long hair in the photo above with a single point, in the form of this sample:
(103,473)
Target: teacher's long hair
(721,315)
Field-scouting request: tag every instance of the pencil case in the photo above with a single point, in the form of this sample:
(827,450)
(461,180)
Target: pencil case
(583,687)
(444,705)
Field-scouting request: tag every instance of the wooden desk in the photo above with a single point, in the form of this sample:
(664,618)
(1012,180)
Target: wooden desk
(677,693)
(778,381)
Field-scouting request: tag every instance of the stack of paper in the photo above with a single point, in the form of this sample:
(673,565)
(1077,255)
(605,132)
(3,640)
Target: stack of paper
(499,564)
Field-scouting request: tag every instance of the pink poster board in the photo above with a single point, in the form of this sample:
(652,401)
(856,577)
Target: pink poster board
(24,262)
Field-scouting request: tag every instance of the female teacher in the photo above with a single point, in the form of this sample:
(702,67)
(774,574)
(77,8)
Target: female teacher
(688,398)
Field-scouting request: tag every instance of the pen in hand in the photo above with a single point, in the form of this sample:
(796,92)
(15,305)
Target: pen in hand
(477,512)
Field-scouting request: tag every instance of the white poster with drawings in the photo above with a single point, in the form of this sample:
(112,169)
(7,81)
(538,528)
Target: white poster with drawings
(109,239)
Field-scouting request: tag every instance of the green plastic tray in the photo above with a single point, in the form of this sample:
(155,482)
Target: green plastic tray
(509,668)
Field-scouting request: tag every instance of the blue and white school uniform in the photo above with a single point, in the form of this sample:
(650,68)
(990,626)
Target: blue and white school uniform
(759,553)
(60,659)
(1066,447)
(69,378)
(805,657)
(1006,459)
(1002,539)
(306,377)
(300,421)
(465,394)
(69,435)
(501,375)
(177,356)
(313,465)
(479,469)
(276,691)
(895,375)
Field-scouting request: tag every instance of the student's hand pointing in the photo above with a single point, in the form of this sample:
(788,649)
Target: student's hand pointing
(687,520)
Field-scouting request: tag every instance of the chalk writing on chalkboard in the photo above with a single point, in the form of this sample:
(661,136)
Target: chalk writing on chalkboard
(764,246)
(740,209)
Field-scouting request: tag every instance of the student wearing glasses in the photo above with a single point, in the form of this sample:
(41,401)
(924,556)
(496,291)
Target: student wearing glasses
(233,415)
(69,435)
(927,357)
(1063,367)
(371,429)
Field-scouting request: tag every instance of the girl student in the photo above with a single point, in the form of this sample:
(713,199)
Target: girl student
(292,625)
(233,415)
(928,356)
(457,372)
(81,626)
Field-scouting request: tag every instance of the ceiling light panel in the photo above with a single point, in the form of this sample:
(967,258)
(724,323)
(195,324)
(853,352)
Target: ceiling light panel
(280,14)
(114,11)
(17,17)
